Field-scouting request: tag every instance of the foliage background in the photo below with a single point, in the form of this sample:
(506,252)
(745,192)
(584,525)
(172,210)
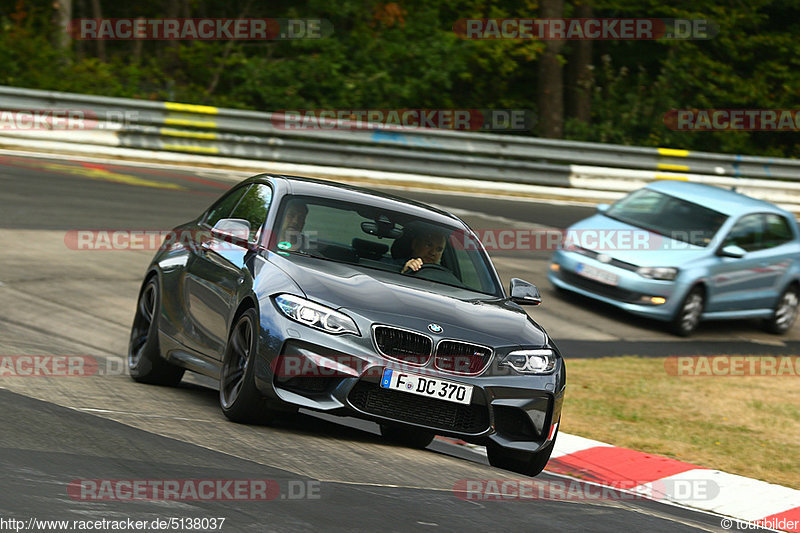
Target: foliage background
(406,55)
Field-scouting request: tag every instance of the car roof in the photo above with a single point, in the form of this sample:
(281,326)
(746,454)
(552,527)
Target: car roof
(722,200)
(340,191)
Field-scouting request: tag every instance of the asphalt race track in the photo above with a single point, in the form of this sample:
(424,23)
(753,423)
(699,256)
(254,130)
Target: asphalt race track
(332,476)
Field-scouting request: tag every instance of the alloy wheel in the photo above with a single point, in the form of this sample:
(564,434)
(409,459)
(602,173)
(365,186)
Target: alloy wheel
(235,367)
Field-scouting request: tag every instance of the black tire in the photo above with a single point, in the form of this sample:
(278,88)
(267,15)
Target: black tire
(145,363)
(561,291)
(785,312)
(688,316)
(526,463)
(407,436)
(239,397)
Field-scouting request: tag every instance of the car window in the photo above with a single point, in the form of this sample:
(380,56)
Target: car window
(669,216)
(377,238)
(643,201)
(470,271)
(747,233)
(253,207)
(776,231)
(224,206)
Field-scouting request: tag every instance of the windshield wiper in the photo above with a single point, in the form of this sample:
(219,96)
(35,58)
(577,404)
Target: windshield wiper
(301,252)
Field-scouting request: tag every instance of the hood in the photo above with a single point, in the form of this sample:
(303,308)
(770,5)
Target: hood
(389,298)
(631,244)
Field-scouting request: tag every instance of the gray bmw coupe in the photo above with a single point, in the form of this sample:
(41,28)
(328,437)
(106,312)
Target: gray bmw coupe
(295,292)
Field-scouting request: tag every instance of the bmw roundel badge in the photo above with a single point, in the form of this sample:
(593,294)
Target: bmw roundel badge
(435,328)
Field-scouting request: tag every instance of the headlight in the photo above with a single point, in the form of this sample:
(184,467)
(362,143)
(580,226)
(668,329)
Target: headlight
(541,361)
(664,273)
(315,315)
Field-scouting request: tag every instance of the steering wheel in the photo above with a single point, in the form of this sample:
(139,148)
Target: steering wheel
(430,266)
(435,272)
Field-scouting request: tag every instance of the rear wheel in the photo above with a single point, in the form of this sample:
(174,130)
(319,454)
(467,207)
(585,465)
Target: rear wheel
(785,312)
(526,463)
(689,313)
(239,398)
(145,363)
(407,436)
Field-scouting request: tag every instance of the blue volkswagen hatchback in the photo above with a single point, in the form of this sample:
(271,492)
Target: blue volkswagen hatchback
(684,252)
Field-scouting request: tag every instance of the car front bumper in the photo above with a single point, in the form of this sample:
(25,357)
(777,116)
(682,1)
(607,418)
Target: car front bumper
(340,374)
(632,292)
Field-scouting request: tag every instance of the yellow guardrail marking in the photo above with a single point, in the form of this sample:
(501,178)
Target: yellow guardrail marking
(667,166)
(172,121)
(107,175)
(191,108)
(676,177)
(672,152)
(191,148)
(169,132)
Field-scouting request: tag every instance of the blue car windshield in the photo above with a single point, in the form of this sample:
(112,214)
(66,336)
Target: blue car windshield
(377,238)
(669,216)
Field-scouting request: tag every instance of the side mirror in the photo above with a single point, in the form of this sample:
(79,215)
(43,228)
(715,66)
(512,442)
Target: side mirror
(602,208)
(524,293)
(233,230)
(732,251)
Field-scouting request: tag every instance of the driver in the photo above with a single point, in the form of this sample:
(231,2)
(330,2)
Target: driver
(426,247)
(291,229)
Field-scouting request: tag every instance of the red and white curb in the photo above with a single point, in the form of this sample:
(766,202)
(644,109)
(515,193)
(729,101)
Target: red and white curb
(664,479)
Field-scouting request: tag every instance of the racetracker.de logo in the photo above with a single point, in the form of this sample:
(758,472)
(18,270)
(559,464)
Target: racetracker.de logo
(405,119)
(192,489)
(732,366)
(153,240)
(63,119)
(173,489)
(343,366)
(37,366)
(585,29)
(733,119)
(598,240)
(579,491)
(202,29)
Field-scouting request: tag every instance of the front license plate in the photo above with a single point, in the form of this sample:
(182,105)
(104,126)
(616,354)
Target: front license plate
(597,274)
(426,386)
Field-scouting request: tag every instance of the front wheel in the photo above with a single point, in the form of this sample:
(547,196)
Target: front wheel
(785,312)
(526,463)
(689,313)
(238,395)
(145,363)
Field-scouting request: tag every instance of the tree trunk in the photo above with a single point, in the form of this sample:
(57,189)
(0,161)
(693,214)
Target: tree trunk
(62,14)
(550,78)
(78,11)
(579,71)
(97,13)
(173,10)
(138,44)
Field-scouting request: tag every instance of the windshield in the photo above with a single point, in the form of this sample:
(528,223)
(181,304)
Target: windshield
(379,239)
(669,216)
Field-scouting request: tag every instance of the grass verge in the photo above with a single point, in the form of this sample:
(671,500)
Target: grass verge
(739,424)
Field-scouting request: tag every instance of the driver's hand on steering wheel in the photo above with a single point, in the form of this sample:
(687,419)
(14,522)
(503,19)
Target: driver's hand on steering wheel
(412,264)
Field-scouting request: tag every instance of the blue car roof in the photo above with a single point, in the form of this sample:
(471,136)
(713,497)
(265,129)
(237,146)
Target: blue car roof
(722,200)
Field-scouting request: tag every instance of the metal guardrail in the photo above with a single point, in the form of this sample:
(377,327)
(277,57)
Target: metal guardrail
(207,130)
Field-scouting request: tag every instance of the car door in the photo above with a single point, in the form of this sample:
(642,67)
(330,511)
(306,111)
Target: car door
(748,282)
(780,252)
(220,273)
